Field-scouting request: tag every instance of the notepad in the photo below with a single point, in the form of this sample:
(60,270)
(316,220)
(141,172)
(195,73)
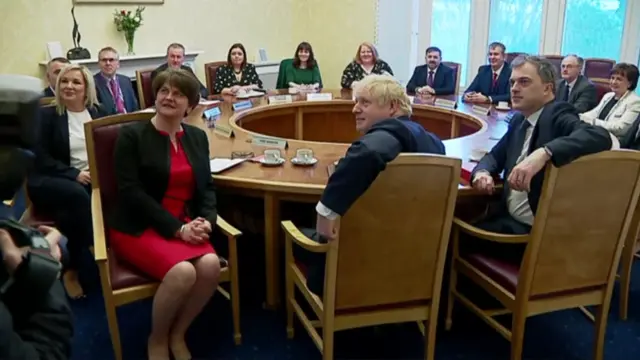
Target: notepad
(219,165)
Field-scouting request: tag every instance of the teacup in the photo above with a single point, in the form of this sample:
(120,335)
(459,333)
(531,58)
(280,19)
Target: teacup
(503,105)
(304,155)
(272,156)
(477,154)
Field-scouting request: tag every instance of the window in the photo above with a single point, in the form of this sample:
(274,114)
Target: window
(517,24)
(593,28)
(450,31)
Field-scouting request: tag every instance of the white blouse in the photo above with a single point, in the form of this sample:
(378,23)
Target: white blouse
(77,144)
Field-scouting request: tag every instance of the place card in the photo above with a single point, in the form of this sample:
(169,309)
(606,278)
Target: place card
(223,130)
(449,104)
(480,110)
(242,105)
(269,142)
(280,99)
(319,97)
(212,113)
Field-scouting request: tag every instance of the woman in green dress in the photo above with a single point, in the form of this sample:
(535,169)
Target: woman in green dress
(302,72)
(237,74)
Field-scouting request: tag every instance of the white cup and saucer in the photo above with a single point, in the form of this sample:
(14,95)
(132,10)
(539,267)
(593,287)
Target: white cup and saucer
(242,93)
(503,105)
(304,157)
(272,157)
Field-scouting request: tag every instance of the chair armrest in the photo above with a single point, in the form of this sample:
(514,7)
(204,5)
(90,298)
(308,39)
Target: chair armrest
(293,233)
(227,228)
(488,235)
(99,240)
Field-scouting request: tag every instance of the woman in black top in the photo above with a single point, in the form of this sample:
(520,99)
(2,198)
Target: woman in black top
(236,74)
(366,62)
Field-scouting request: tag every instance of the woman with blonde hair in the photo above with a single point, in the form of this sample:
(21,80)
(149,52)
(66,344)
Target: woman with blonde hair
(366,62)
(60,184)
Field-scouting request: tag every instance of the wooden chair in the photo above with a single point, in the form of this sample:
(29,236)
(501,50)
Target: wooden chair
(572,252)
(210,74)
(598,68)
(388,263)
(145,90)
(120,283)
(457,69)
(630,252)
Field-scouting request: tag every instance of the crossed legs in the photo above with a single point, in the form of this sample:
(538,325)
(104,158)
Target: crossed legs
(181,296)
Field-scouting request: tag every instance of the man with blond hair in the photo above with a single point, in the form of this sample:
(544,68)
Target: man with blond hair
(382,111)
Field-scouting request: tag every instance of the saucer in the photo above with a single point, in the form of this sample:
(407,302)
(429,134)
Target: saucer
(295,161)
(503,108)
(277,163)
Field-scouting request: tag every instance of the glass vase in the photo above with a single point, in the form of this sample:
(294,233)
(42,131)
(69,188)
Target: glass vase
(129,37)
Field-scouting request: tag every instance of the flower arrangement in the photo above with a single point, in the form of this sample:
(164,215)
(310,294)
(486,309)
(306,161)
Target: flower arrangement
(128,23)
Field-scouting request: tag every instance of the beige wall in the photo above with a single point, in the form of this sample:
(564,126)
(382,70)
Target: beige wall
(333,27)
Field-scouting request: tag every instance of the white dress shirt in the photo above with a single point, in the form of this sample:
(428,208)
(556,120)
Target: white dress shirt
(77,144)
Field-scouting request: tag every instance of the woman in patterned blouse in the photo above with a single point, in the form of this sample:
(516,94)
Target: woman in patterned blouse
(236,74)
(366,62)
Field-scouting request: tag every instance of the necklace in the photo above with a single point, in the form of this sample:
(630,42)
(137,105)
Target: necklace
(237,72)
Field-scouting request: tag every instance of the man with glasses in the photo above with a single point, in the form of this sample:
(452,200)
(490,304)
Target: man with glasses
(574,88)
(115,92)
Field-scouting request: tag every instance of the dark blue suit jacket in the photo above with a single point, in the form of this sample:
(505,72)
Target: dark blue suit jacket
(629,141)
(444,82)
(483,81)
(48,92)
(53,155)
(560,130)
(105,98)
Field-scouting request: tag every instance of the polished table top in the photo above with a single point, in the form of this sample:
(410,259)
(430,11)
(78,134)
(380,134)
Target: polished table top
(485,131)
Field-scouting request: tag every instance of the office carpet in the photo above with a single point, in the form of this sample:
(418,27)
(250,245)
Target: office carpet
(566,335)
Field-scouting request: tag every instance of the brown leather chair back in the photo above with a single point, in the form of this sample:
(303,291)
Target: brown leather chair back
(101,138)
(457,70)
(602,87)
(210,74)
(145,91)
(556,61)
(393,240)
(511,56)
(574,245)
(598,68)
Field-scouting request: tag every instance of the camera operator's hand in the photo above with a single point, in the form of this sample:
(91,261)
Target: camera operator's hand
(12,255)
(84,178)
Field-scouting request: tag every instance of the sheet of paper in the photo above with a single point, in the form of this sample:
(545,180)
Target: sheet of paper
(208,102)
(220,164)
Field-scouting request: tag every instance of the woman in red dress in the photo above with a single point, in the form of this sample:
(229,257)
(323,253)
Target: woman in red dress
(165,211)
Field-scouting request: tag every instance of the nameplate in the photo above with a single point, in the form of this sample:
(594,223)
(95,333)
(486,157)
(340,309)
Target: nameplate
(280,99)
(211,114)
(449,104)
(319,97)
(269,142)
(480,110)
(223,130)
(242,105)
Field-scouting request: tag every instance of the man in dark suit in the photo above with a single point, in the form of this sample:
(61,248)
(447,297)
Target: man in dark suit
(574,88)
(53,69)
(491,84)
(115,92)
(432,78)
(175,60)
(544,130)
(632,138)
(382,111)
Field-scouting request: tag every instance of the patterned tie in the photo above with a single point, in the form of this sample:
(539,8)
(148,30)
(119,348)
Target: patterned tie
(430,78)
(494,84)
(116,97)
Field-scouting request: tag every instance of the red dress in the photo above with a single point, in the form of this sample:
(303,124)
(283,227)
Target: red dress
(150,252)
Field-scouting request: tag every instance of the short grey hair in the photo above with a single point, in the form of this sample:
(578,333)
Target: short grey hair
(545,69)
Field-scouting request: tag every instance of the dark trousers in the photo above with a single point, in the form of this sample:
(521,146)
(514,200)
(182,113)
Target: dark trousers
(68,203)
(314,262)
(503,223)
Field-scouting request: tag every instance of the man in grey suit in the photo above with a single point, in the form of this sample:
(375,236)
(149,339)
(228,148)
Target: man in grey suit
(574,88)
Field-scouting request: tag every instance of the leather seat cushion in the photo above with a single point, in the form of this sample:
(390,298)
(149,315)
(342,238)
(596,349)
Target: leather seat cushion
(504,272)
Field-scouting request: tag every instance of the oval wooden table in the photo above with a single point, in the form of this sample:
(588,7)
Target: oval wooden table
(326,127)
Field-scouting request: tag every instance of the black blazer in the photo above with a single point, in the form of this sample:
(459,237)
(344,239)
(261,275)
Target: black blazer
(443,82)
(53,155)
(106,99)
(559,129)
(629,140)
(142,163)
(583,96)
(203,90)
(47,92)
